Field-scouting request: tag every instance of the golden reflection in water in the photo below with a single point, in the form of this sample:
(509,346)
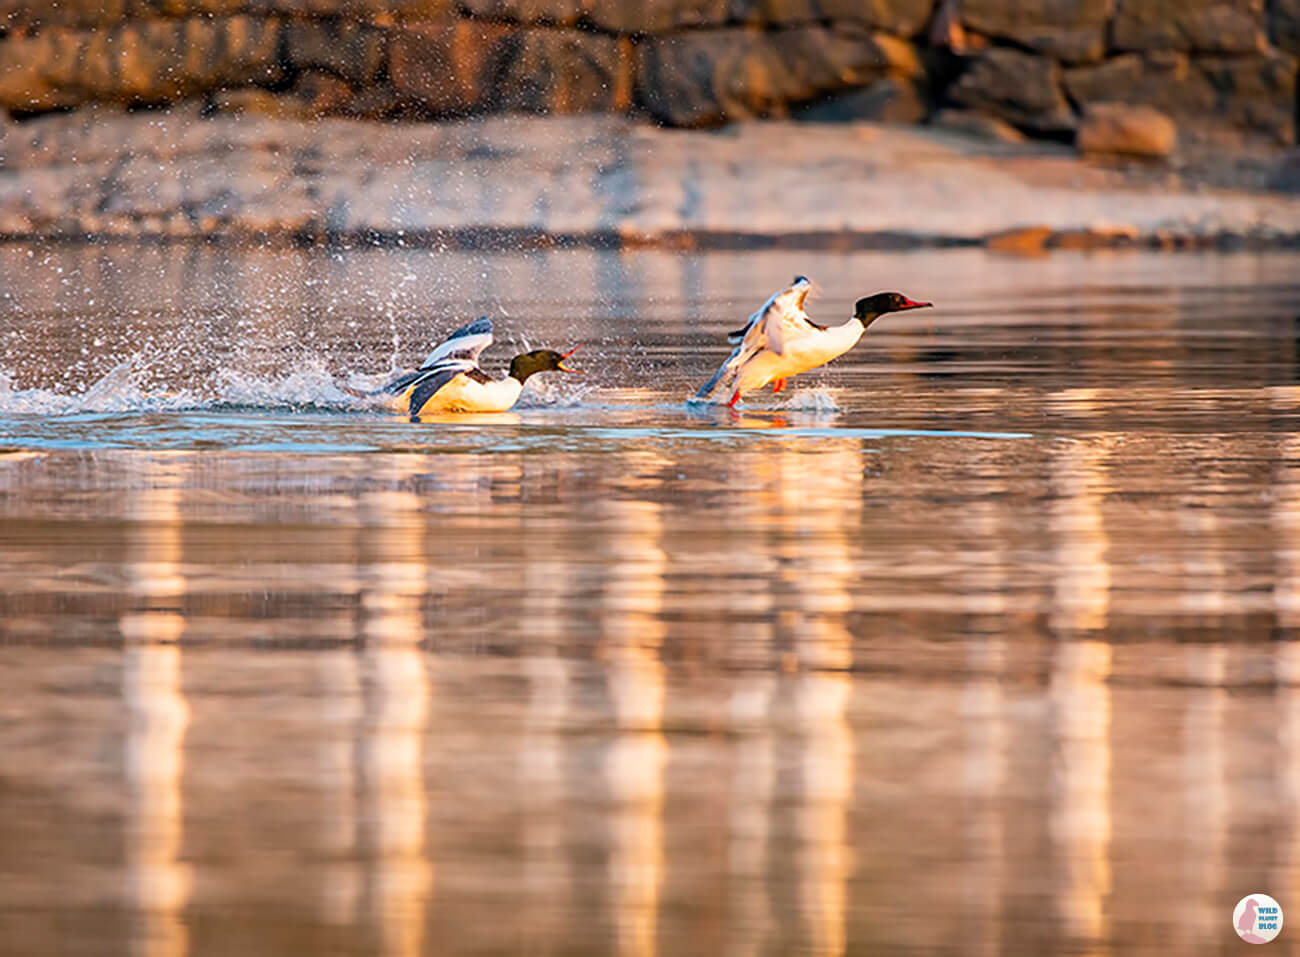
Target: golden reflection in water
(635,764)
(749,913)
(541,775)
(548,581)
(819,500)
(158,713)
(1286,523)
(1081,601)
(983,712)
(1286,592)
(1288,678)
(1205,787)
(341,716)
(1204,568)
(1081,814)
(397,699)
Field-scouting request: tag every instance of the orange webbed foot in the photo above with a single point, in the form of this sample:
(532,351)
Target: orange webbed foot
(778,386)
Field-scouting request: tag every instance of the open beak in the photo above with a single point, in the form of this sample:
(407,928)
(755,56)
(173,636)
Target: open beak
(912,304)
(562,367)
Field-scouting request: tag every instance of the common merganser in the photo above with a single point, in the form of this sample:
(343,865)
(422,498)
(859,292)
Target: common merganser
(450,379)
(780,341)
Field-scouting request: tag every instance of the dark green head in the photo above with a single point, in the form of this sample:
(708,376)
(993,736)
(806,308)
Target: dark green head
(871,308)
(540,360)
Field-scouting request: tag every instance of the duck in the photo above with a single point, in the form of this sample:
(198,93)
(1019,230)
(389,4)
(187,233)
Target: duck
(780,341)
(450,379)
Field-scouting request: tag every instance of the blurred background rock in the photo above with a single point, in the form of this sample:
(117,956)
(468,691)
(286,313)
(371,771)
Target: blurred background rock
(1212,82)
(1215,66)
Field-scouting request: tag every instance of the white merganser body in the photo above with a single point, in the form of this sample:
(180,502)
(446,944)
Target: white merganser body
(780,341)
(450,379)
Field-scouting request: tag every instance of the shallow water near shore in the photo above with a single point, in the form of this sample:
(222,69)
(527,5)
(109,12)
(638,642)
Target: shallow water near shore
(981,640)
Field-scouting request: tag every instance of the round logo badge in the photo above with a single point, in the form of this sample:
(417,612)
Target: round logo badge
(1257,918)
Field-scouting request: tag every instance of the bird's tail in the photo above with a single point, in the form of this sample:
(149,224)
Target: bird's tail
(358,393)
(722,379)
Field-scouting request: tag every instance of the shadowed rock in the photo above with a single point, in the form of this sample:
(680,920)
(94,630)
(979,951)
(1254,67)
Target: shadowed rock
(1285,25)
(977,125)
(1021,88)
(903,17)
(356,52)
(712,76)
(476,65)
(891,100)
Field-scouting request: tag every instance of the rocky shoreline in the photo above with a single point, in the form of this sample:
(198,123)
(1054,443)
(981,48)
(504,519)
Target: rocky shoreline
(518,180)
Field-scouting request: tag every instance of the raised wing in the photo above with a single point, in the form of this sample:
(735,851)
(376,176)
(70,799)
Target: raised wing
(785,306)
(426,383)
(465,343)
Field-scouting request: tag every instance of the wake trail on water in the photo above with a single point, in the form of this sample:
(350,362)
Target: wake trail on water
(132,386)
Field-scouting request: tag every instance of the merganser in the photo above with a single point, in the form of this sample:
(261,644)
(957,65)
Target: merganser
(450,379)
(780,341)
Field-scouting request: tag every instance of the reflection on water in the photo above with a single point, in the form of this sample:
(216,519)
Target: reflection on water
(152,690)
(985,643)
(396,691)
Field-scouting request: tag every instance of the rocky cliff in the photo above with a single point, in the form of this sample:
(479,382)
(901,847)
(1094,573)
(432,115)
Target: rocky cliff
(1217,67)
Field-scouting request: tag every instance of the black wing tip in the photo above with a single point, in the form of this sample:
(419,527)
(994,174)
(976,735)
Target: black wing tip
(476,328)
(800,279)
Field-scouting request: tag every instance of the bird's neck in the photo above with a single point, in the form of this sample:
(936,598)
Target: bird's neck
(521,367)
(852,330)
(866,320)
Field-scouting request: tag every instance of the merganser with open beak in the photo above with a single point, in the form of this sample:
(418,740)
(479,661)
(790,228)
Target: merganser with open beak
(450,380)
(780,341)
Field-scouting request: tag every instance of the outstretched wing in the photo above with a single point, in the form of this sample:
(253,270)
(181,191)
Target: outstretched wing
(785,304)
(465,343)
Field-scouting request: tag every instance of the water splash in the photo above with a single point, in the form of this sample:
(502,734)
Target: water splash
(817,400)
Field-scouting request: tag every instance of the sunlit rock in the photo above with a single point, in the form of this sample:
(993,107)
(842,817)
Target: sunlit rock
(1073,30)
(1230,26)
(1127,130)
(153,61)
(1244,94)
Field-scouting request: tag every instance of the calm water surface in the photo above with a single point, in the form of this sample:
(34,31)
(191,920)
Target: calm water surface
(982,640)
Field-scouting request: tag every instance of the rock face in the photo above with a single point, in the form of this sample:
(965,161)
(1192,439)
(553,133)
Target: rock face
(1125,130)
(1071,30)
(1250,94)
(1033,63)
(708,76)
(891,100)
(1218,26)
(154,61)
(1285,25)
(471,66)
(1021,88)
